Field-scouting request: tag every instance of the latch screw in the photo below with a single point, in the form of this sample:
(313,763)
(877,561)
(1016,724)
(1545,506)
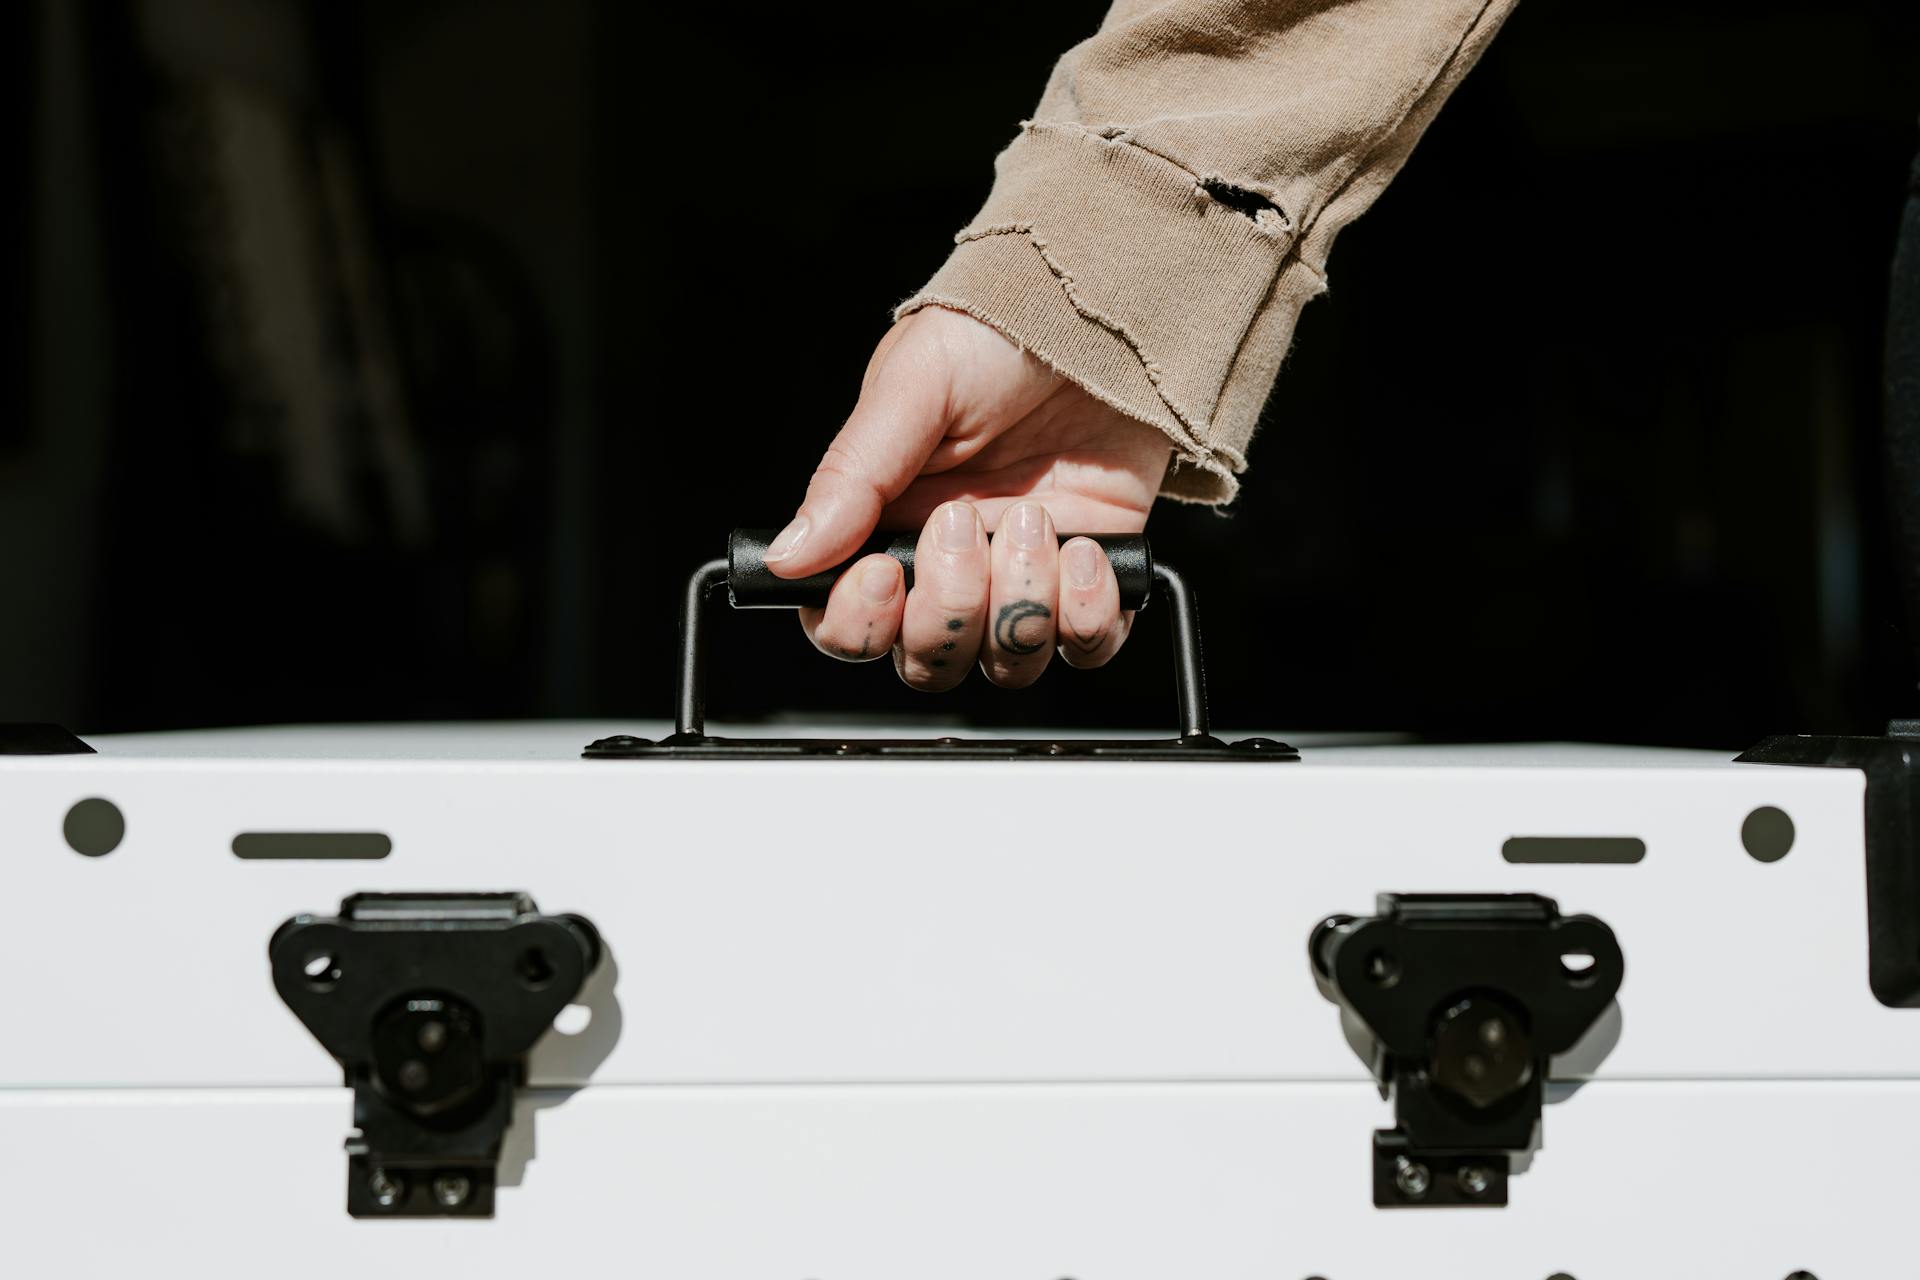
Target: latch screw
(1411,1177)
(450,1189)
(1481,1052)
(1474,1179)
(387,1189)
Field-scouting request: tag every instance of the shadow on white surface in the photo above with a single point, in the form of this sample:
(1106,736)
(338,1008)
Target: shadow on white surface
(562,1062)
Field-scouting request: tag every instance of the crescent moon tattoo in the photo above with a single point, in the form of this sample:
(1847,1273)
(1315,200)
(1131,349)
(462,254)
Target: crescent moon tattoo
(1006,626)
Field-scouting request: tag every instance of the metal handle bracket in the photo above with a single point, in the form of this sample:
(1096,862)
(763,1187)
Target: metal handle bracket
(749,585)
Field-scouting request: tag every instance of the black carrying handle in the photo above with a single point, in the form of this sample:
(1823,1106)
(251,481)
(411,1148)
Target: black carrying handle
(751,585)
(757,588)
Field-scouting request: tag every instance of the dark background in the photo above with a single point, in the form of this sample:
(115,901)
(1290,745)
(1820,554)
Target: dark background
(394,361)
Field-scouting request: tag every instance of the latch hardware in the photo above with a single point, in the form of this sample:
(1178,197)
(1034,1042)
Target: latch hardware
(1460,1002)
(430,1002)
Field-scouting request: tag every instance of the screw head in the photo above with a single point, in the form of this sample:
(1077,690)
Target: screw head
(387,1188)
(1481,1051)
(1474,1179)
(426,1055)
(451,1190)
(1412,1177)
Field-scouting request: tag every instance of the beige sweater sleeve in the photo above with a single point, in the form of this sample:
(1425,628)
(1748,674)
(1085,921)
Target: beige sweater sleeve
(1155,229)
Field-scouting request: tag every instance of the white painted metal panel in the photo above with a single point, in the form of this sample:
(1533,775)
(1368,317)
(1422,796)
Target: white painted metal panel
(1638,1181)
(896,921)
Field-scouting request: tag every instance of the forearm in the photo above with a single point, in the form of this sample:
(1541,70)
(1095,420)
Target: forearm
(1155,229)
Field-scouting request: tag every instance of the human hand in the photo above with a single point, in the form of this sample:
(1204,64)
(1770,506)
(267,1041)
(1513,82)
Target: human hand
(958,432)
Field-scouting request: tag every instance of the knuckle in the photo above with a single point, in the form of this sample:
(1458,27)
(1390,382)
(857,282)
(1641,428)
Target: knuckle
(1081,647)
(1022,628)
(1085,661)
(918,676)
(957,600)
(846,645)
(1015,672)
(941,667)
(845,467)
(947,651)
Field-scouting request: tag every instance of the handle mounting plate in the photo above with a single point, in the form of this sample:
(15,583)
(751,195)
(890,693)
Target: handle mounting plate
(703,747)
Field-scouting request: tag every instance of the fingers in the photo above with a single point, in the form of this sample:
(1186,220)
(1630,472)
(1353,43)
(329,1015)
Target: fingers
(1092,628)
(901,416)
(1023,597)
(862,616)
(1006,601)
(946,612)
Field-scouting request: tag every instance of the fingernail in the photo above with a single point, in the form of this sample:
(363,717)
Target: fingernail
(1027,524)
(1083,563)
(789,540)
(879,580)
(953,527)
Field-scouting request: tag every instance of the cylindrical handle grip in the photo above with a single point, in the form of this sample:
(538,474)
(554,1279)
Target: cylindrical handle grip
(751,585)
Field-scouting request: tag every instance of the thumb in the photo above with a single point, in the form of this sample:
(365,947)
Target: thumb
(901,416)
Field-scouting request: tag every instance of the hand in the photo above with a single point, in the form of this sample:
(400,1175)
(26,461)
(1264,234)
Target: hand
(958,432)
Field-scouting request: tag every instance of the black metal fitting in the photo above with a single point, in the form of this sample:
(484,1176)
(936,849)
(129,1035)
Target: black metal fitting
(430,1002)
(751,586)
(1892,820)
(1463,999)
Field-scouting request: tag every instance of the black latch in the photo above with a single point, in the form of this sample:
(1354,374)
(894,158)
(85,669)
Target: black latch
(1462,1000)
(430,1001)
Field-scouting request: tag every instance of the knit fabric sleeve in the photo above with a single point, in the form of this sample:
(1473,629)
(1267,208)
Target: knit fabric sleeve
(1155,229)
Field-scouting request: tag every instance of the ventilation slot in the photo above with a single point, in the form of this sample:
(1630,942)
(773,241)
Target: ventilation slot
(329,846)
(1574,849)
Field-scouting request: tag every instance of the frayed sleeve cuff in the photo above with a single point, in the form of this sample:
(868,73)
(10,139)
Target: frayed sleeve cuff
(1155,289)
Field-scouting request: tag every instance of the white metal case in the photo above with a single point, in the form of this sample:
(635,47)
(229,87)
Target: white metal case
(1033,1019)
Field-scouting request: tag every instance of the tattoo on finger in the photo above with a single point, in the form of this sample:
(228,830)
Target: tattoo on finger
(1006,626)
(1085,643)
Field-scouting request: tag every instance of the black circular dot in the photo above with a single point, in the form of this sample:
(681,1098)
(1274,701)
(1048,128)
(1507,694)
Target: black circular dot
(94,827)
(1767,833)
